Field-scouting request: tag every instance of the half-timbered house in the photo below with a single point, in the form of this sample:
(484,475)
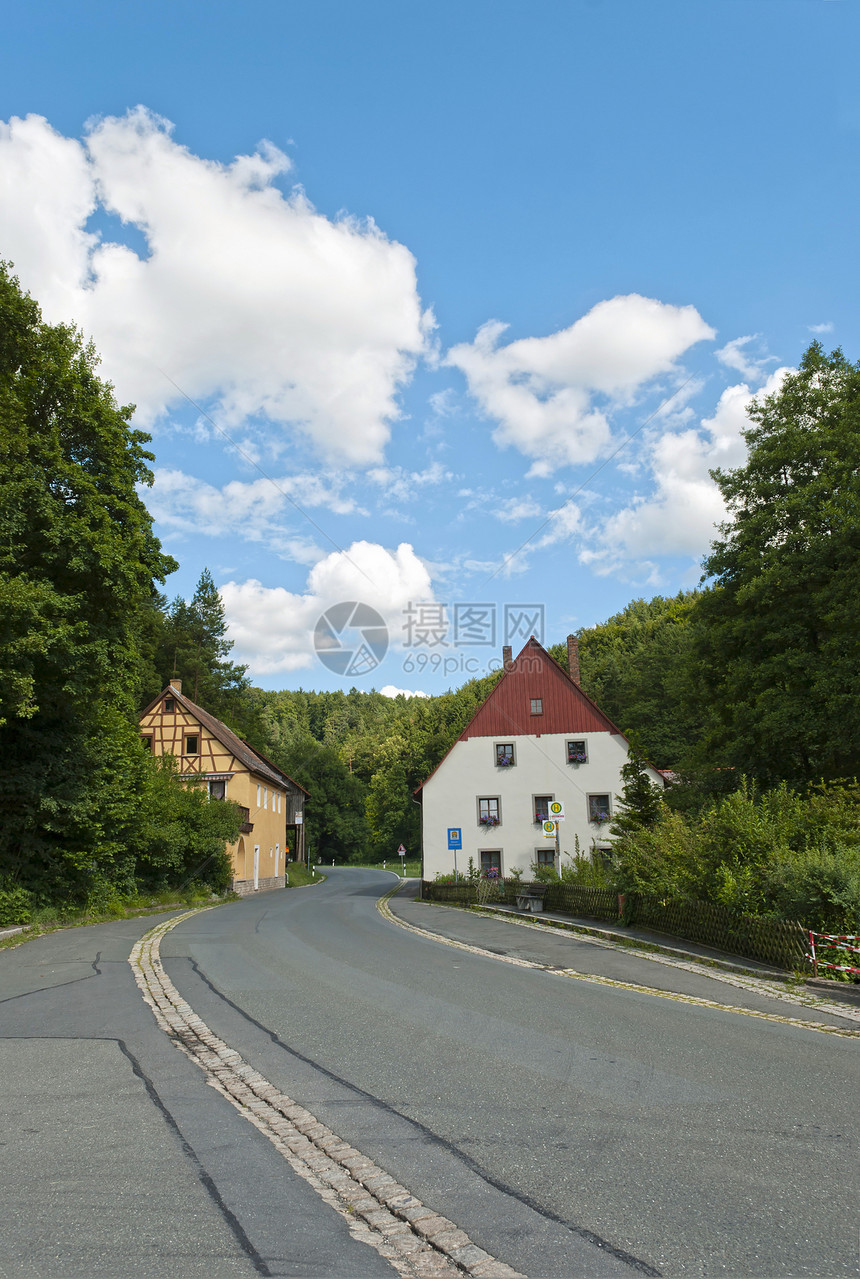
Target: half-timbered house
(209,753)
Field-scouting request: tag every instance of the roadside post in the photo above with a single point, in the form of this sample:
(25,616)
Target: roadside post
(556,812)
(401,853)
(455,841)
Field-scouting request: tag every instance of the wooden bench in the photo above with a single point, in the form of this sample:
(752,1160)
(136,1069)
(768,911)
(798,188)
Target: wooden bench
(530,897)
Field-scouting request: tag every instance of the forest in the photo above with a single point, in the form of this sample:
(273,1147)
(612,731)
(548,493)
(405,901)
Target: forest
(745,688)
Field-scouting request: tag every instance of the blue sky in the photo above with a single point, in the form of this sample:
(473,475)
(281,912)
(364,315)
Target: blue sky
(468,298)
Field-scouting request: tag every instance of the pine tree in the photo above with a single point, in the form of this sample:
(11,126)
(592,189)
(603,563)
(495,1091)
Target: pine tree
(641,800)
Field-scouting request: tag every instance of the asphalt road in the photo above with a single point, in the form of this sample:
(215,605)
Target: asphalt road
(118,1162)
(571,1129)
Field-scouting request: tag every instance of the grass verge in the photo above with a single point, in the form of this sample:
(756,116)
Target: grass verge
(412,869)
(51,918)
(299,875)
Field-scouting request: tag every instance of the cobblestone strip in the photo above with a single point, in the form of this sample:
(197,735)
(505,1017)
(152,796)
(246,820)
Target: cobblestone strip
(751,984)
(418,1243)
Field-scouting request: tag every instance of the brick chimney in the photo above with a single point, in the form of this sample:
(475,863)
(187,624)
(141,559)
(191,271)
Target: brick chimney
(173,681)
(507,657)
(573,658)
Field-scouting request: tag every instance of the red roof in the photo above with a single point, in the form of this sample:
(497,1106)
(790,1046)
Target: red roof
(507,712)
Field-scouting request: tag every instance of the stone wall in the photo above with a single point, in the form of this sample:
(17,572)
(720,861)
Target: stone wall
(244,887)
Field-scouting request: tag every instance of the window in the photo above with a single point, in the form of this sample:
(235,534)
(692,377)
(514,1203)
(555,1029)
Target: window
(577,753)
(192,744)
(279,801)
(258,794)
(537,705)
(146,743)
(217,790)
(545,856)
(542,803)
(505,754)
(598,808)
(489,860)
(169,705)
(488,812)
(265,797)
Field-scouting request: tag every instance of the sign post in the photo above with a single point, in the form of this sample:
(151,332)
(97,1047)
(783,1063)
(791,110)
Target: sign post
(455,841)
(401,853)
(556,812)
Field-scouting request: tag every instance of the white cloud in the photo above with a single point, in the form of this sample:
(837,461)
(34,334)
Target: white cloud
(390,691)
(401,485)
(253,511)
(828,327)
(541,390)
(248,299)
(734,356)
(513,509)
(679,516)
(272,628)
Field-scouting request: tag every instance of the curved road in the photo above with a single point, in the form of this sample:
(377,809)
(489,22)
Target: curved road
(569,1128)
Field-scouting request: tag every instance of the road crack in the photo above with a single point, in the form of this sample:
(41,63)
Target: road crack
(416,1241)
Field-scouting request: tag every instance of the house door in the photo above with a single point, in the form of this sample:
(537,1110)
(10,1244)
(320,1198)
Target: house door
(256,867)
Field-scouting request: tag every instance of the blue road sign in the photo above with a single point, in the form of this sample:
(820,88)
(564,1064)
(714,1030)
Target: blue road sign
(455,837)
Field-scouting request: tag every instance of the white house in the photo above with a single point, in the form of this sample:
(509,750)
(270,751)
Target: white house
(536,741)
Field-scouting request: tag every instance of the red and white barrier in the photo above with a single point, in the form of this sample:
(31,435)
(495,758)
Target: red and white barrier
(827,941)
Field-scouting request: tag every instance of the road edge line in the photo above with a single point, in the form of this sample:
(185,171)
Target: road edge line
(695,1000)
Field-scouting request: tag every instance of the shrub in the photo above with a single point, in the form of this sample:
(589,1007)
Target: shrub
(587,872)
(820,886)
(16,904)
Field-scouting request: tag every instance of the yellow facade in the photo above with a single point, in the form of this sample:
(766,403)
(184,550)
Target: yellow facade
(207,751)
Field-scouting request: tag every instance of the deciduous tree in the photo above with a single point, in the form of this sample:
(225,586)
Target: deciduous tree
(777,637)
(78,560)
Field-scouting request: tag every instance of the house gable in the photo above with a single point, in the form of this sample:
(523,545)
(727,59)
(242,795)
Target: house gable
(534,676)
(507,712)
(220,748)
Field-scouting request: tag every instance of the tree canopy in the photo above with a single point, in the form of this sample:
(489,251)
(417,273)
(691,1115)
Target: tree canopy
(777,636)
(78,570)
(635,666)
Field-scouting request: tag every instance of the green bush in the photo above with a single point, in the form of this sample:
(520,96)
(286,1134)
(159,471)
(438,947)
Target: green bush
(819,886)
(16,904)
(588,872)
(779,853)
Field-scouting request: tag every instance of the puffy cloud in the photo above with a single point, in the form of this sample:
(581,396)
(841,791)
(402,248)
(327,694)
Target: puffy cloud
(736,355)
(245,297)
(253,511)
(390,691)
(827,327)
(678,518)
(541,391)
(403,486)
(273,628)
(513,509)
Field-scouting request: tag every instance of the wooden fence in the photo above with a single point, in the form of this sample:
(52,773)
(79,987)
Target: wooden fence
(772,941)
